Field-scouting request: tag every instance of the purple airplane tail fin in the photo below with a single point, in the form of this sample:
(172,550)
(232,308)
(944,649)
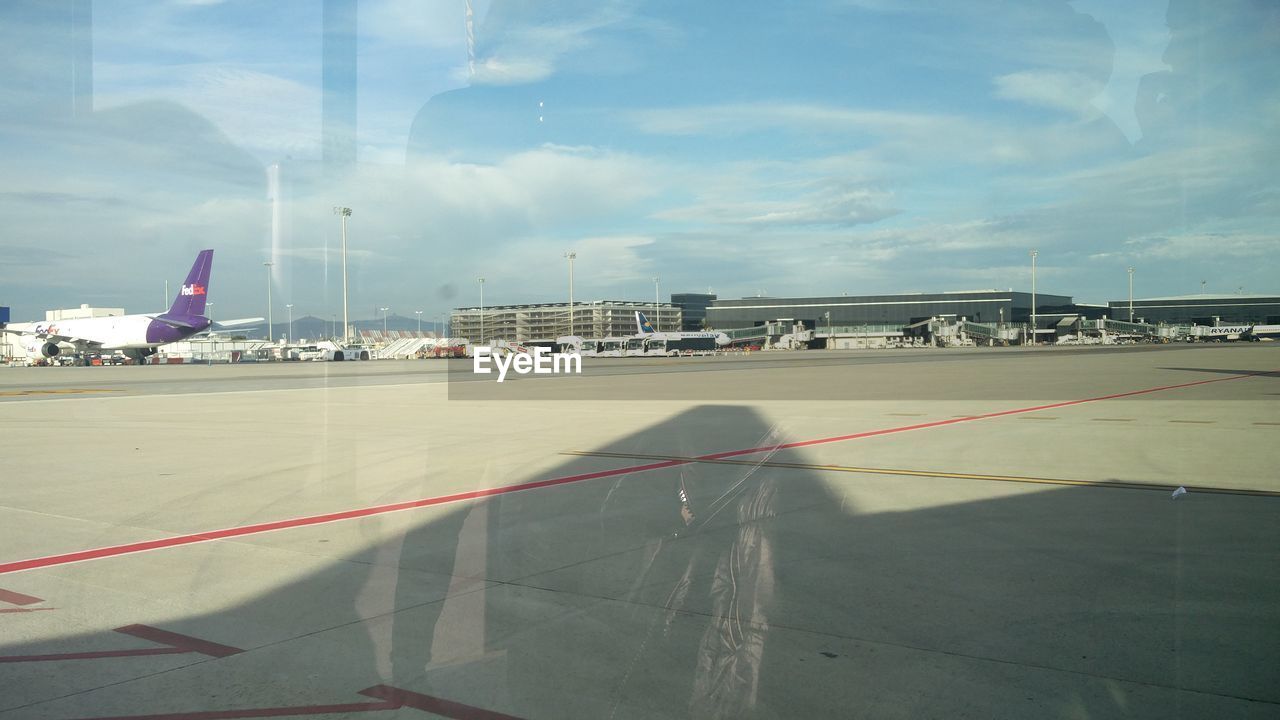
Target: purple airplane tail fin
(195,290)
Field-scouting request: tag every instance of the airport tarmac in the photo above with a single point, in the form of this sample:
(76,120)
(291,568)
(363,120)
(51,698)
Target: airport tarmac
(911,534)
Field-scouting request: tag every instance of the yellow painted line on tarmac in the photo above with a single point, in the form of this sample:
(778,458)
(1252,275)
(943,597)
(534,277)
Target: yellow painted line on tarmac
(1113,484)
(1112,419)
(1194,422)
(58,391)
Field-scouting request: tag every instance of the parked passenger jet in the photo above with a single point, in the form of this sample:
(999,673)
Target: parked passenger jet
(645,328)
(137,336)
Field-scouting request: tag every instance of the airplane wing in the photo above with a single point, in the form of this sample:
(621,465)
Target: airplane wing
(31,340)
(229,325)
(42,334)
(224,324)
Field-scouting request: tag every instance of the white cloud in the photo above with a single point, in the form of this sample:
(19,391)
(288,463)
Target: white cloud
(531,50)
(1054,89)
(1202,245)
(517,70)
(1138,30)
(749,117)
(413,23)
(835,206)
(266,114)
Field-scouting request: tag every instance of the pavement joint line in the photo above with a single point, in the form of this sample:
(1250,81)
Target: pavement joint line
(58,391)
(908,646)
(170,643)
(1023,664)
(480,585)
(1113,484)
(135,396)
(390,698)
(309,520)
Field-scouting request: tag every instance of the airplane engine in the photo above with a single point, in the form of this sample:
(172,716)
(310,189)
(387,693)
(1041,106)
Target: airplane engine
(50,349)
(139,355)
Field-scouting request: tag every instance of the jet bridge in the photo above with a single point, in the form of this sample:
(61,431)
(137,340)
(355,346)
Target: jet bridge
(1120,327)
(991,333)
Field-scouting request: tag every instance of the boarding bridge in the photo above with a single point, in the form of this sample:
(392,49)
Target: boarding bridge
(1120,327)
(746,336)
(857,330)
(991,332)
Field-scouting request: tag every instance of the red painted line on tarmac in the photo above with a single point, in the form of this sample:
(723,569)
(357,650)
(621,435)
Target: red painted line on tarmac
(439,706)
(17,598)
(391,699)
(962,419)
(174,644)
(262,712)
(178,540)
(234,532)
(186,643)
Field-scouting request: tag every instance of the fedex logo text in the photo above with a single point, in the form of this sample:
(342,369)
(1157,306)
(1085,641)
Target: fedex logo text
(193,289)
(541,361)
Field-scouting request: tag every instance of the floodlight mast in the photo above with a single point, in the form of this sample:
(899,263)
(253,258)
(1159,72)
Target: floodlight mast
(344,213)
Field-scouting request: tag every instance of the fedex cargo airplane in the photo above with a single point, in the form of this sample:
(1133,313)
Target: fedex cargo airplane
(137,336)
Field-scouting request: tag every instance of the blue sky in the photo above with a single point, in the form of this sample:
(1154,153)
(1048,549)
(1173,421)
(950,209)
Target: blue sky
(800,148)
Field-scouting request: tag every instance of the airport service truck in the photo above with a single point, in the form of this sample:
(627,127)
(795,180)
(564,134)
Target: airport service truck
(338,352)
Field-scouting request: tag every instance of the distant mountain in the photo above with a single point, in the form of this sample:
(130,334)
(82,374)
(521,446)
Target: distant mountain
(310,327)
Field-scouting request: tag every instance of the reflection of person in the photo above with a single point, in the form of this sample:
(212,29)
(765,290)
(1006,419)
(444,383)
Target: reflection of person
(693,551)
(716,570)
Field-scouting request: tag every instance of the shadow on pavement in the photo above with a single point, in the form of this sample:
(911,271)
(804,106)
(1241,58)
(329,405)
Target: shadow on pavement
(714,591)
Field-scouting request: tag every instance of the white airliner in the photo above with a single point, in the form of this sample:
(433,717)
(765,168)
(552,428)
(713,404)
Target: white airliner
(136,336)
(672,343)
(1232,333)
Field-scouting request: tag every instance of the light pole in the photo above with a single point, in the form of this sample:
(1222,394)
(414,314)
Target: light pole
(384,322)
(290,308)
(168,300)
(344,213)
(1130,293)
(267,265)
(419,314)
(333,325)
(1033,296)
(481,281)
(570,256)
(656,324)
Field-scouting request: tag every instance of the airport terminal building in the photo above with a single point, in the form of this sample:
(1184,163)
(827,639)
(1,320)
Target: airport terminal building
(693,308)
(982,306)
(1205,310)
(594,319)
